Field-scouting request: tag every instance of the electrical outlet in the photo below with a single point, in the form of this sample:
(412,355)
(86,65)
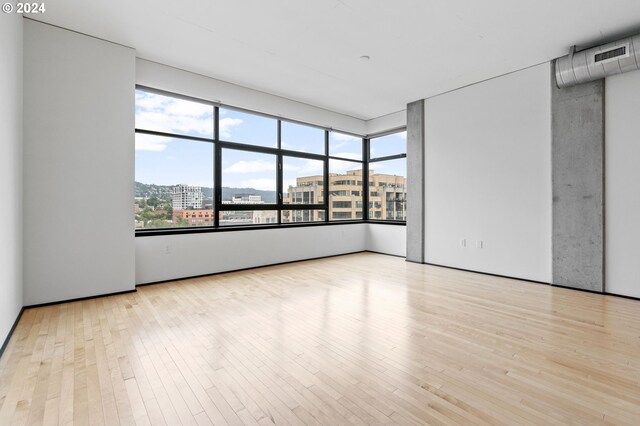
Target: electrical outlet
(463,242)
(480,244)
(167,249)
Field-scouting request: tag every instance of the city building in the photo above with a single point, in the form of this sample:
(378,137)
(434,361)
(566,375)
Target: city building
(387,197)
(247,217)
(245,199)
(186,197)
(193,217)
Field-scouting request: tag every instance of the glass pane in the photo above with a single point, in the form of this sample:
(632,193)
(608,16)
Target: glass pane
(248,217)
(172,115)
(173,182)
(388,190)
(293,216)
(395,143)
(297,137)
(248,177)
(303,181)
(241,127)
(345,146)
(345,190)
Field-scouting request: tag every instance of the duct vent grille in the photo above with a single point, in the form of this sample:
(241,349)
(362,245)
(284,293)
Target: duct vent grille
(620,51)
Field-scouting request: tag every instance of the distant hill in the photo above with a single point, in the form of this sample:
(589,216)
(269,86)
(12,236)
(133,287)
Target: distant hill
(267,196)
(164,192)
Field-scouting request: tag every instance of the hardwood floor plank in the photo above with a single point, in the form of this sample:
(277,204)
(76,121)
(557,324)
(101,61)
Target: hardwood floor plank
(355,339)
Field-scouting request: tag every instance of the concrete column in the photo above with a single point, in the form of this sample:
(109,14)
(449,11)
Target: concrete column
(577,161)
(415,181)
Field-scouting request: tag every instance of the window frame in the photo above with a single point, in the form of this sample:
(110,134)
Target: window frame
(220,144)
(370,161)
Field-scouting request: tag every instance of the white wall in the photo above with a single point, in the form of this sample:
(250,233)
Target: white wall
(163,77)
(78,165)
(200,254)
(10,171)
(488,176)
(386,122)
(622,177)
(387,239)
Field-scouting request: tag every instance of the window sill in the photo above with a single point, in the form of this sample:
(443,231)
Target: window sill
(209,229)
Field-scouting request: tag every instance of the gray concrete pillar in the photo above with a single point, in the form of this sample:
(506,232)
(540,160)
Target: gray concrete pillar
(415,181)
(577,162)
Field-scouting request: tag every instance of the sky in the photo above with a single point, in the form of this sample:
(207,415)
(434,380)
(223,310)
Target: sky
(169,161)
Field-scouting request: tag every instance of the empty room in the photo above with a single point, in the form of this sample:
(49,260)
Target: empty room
(323,212)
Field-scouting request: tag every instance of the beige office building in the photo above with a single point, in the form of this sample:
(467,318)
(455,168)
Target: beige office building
(387,197)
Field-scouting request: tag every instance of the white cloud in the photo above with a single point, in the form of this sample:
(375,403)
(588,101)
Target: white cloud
(403,135)
(263,184)
(304,167)
(255,166)
(227,124)
(151,143)
(166,114)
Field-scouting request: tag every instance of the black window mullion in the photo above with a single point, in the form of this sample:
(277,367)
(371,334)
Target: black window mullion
(280,190)
(227,207)
(388,157)
(173,135)
(326,176)
(279,145)
(217,171)
(279,183)
(365,179)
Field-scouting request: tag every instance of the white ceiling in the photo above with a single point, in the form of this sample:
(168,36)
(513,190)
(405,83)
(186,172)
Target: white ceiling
(309,50)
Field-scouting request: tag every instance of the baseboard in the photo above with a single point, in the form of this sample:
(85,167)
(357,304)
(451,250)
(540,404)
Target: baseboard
(386,254)
(79,299)
(13,328)
(486,273)
(602,293)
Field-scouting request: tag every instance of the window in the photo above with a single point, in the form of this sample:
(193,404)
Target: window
(173,182)
(199,165)
(297,137)
(343,145)
(389,145)
(388,177)
(248,217)
(173,115)
(297,216)
(342,204)
(245,128)
(248,177)
(342,215)
(345,187)
(303,180)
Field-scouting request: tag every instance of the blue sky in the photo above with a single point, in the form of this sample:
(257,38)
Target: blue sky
(395,143)
(169,161)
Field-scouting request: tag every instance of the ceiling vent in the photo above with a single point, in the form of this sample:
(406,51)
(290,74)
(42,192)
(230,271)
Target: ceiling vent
(598,62)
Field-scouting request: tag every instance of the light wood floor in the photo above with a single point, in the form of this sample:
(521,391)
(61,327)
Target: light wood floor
(362,339)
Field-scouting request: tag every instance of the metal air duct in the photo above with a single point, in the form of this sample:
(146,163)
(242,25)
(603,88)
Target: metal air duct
(598,62)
